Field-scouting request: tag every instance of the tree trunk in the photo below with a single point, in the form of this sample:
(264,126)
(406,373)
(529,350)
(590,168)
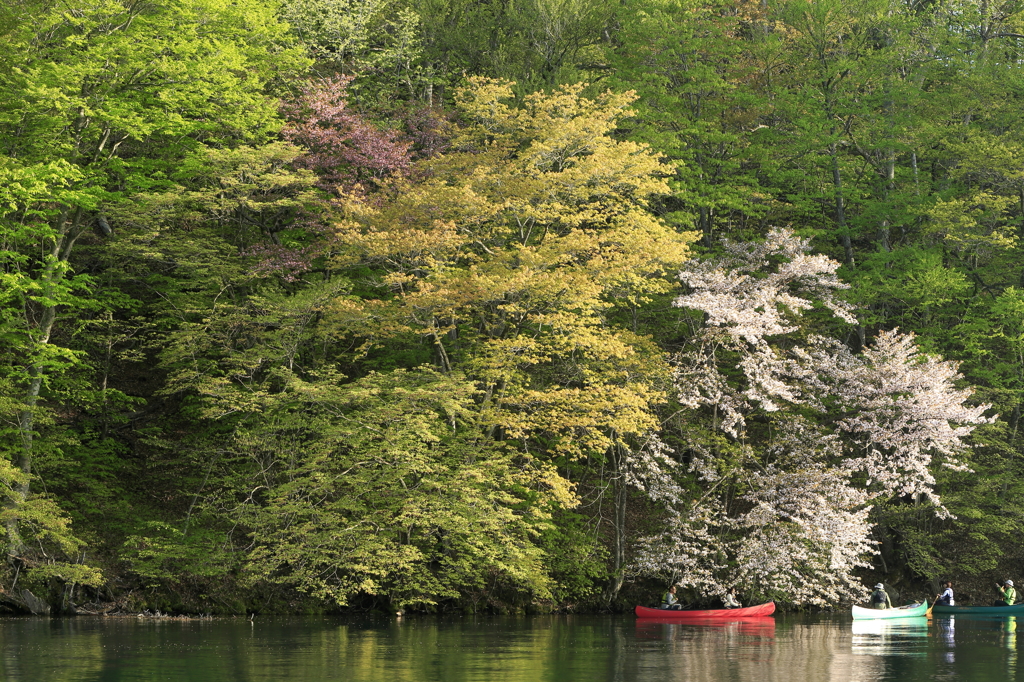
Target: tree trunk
(49,280)
(24,601)
(837,183)
(704,225)
(619,522)
(889,180)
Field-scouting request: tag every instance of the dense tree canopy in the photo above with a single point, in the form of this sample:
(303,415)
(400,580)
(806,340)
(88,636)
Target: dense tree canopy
(322,304)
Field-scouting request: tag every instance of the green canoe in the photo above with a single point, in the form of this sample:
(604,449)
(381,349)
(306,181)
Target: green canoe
(1015,610)
(861,613)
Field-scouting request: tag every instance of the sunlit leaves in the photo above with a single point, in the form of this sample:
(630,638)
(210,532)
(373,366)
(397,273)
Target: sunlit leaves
(517,246)
(384,487)
(99,102)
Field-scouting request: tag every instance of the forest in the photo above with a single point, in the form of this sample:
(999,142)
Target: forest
(312,306)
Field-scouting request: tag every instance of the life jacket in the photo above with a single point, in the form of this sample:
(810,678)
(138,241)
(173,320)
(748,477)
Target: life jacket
(1010,595)
(878,597)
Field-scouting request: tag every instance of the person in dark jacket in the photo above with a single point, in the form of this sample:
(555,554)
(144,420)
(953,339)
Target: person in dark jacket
(880,598)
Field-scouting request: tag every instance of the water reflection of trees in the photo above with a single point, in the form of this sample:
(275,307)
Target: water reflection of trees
(784,652)
(79,656)
(508,649)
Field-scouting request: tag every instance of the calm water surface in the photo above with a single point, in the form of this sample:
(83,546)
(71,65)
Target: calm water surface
(785,648)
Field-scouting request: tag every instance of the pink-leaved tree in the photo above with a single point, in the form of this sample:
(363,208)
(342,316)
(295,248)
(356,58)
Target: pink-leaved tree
(344,148)
(346,152)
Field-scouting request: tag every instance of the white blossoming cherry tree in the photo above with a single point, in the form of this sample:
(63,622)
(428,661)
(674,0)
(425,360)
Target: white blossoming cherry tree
(790,437)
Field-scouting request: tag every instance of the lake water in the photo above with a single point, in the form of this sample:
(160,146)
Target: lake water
(783,648)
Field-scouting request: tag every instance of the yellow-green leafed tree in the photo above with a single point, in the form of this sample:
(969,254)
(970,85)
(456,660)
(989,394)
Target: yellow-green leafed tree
(522,257)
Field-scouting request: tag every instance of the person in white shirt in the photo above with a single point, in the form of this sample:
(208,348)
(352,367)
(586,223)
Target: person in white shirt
(946,596)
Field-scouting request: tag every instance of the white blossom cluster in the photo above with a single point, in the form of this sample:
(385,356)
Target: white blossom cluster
(810,433)
(690,552)
(900,410)
(750,290)
(651,469)
(808,528)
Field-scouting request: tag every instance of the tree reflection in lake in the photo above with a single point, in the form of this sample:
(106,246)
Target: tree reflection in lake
(783,648)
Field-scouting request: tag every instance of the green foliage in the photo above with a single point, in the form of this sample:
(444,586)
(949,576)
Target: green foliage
(690,69)
(163,554)
(382,487)
(71,574)
(574,557)
(43,524)
(403,395)
(378,39)
(100,102)
(910,287)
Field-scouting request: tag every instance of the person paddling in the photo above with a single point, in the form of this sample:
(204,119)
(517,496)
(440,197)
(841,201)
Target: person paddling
(946,596)
(730,600)
(1008,593)
(880,598)
(669,601)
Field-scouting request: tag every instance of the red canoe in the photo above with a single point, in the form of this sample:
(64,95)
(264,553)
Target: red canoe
(759,610)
